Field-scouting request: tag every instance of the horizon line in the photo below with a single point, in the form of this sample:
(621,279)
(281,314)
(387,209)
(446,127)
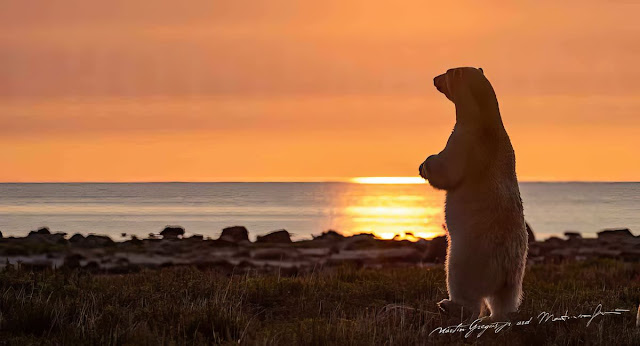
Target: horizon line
(318,180)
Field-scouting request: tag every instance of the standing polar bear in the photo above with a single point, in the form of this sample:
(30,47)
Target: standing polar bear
(483,211)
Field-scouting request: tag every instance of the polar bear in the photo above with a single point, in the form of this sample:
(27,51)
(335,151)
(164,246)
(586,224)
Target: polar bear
(483,209)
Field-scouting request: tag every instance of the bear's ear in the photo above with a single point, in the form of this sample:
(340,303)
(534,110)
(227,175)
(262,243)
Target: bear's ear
(481,71)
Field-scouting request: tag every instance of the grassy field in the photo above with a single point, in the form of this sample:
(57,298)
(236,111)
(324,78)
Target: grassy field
(177,306)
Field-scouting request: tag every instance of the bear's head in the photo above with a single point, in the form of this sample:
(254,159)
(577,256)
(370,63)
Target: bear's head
(467,88)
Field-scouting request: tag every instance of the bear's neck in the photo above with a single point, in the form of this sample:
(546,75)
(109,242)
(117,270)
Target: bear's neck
(473,115)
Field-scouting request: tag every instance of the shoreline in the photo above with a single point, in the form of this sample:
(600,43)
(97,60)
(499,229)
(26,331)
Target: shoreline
(233,252)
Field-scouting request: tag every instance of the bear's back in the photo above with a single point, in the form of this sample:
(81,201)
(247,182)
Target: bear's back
(489,194)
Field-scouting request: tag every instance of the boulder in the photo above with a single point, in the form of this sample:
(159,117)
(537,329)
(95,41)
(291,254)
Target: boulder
(134,241)
(43,235)
(530,235)
(361,241)
(329,238)
(76,238)
(574,238)
(554,242)
(614,234)
(437,251)
(59,237)
(93,240)
(330,235)
(548,245)
(572,235)
(235,234)
(40,233)
(41,230)
(172,232)
(277,237)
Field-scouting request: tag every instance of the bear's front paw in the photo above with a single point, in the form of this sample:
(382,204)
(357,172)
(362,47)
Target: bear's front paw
(423,170)
(425,167)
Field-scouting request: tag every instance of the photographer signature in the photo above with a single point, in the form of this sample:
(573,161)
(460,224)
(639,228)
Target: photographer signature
(543,317)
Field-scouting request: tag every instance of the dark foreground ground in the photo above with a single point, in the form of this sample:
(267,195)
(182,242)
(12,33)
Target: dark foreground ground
(342,306)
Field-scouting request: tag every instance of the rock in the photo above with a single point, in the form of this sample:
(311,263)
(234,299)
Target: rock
(93,240)
(41,230)
(1,235)
(330,235)
(76,238)
(197,237)
(437,251)
(574,238)
(59,238)
(360,241)
(44,236)
(573,235)
(172,232)
(234,234)
(532,237)
(135,241)
(614,234)
(277,237)
(554,241)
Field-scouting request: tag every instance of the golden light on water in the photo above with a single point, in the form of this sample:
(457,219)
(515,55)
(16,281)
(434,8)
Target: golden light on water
(396,216)
(407,235)
(388,180)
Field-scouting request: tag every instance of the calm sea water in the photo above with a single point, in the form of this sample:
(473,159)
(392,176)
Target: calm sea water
(301,208)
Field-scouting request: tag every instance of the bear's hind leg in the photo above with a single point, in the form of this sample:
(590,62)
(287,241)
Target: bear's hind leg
(503,302)
(463,307)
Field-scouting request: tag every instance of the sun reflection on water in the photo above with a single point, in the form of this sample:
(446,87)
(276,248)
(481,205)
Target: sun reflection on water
(396,214)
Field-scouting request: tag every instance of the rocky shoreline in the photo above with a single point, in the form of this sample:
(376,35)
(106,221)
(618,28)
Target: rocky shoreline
(233,252)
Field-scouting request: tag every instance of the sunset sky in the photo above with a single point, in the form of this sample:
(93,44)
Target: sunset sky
(205,90)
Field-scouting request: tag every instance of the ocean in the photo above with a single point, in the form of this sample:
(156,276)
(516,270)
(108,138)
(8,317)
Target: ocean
(304,209)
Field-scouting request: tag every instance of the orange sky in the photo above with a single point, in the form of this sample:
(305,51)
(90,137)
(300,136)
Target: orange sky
(270,89)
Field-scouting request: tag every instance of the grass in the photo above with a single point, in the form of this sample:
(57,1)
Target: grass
(343,306)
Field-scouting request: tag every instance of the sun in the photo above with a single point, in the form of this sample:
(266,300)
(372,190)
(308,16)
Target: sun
(388,180)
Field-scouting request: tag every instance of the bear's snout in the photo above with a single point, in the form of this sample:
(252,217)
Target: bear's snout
(440,83)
